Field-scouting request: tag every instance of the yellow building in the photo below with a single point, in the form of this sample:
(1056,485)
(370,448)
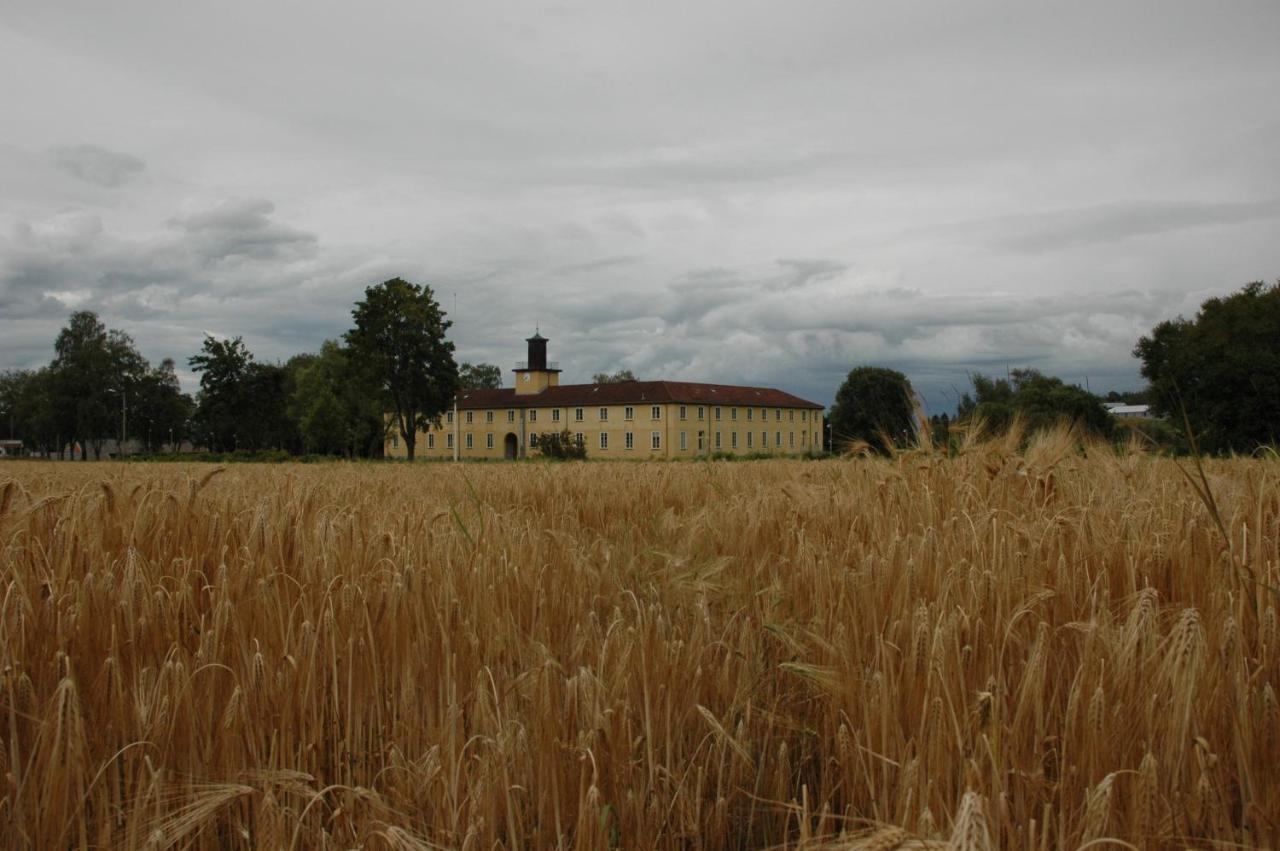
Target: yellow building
(629,419)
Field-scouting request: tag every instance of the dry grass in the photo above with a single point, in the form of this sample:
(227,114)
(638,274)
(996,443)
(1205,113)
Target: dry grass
(1030,650)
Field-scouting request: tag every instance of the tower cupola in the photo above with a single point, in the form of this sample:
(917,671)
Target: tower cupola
(537,373)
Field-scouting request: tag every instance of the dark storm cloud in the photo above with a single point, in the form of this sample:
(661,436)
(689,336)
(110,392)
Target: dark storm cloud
(97,165)
(720,190)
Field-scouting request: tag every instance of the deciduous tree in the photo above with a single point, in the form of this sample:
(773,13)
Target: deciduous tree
(873,404)
(399,335)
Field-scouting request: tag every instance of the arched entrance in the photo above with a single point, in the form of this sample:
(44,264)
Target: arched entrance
(510,447)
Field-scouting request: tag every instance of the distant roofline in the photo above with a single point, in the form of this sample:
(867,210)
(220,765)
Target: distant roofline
(636,392)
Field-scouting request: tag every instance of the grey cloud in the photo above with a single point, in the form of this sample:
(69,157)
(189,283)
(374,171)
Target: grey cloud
(97,165)
(243,228)
(1072,228)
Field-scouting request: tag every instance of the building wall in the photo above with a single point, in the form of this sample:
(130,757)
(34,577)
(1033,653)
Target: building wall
(757,429)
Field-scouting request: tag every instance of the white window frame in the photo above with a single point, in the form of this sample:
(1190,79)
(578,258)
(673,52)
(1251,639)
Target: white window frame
(448,441)
(655,412)
(751,438)
(533,438)
(684,441)
(470,417)
(488,440)
(718,442)
(579,414)
(733,413)
(718,417)
(655,440)
(684,412)
(488,416)
(604,440)
(511,415)
(628,413)
(533,415)
(604,415)
(629,440)
(555,415)
(470,443)
(431,440)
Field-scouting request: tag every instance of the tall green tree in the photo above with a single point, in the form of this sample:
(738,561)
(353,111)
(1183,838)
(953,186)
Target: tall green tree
(480,376)
(222,405)
(95,370)
(399,334)
(336,408)
(1223,367)
(873,404)
(1040,400)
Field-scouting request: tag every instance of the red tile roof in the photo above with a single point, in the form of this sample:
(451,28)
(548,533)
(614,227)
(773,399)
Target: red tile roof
(634,393)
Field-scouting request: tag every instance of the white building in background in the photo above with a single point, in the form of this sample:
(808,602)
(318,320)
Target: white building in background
(1121,411)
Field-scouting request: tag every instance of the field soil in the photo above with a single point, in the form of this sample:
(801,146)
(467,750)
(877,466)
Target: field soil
(1038,648)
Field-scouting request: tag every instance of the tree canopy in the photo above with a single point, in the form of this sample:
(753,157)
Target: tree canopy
(1223,366)
(480,376)
(874,404)
(1040,400)
(613,377)
(399,334)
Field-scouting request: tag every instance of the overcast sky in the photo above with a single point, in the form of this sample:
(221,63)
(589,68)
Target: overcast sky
(735,191)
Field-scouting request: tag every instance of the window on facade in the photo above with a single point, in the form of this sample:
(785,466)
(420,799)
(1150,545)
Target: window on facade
(733,440)
(764,440)
(702,440)
(488,416)
(791,415)
(777,440)
(533,416)
(777,414)
(488,440)
(604,414)
(655,412)
(448,440)
(733,413)
(717,440)
(628,413)
(717,413)
(764,414)
(555,415)
(604,440)
(702,413)
(750,438)
(655,440)
(629,440)
(791,439)
(804,416)
(469,441)
(448,417)
(578,415)
(684,441)
(533,438)
(580,440)
(431,441)
(684,412)
(750,413)
(470,417)
(395,441)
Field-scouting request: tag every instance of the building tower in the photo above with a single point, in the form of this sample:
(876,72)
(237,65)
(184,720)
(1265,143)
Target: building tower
(537,373)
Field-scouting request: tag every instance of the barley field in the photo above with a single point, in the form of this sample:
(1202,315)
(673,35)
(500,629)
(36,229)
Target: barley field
(1006,649)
